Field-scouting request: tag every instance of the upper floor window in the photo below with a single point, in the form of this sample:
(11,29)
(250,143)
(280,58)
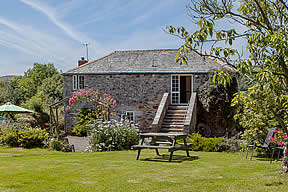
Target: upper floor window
(81,82)
(78,82)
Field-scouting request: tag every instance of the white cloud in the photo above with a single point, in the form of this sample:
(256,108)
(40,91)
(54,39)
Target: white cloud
(153,39)
(64,8)
(157,7)
(38,46)
(50,13)
(106,11)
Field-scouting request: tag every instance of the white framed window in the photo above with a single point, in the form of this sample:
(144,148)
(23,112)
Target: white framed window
(175,89)
(81,82)
(75,82)
(78,82)
(130,115)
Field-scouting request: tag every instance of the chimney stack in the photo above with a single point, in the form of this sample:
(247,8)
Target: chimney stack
(82,61)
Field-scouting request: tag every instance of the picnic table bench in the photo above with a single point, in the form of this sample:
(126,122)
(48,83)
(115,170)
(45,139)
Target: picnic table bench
(162,141)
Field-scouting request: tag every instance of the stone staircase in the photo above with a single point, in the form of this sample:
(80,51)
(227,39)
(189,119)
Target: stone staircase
(174,118)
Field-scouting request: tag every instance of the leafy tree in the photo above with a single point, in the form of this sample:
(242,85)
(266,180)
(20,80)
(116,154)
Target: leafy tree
(37,102)
(252,112)
(52,88)
(23,88)
(27,87)
(14,92)
(39,72)
(264,27)
(3,92)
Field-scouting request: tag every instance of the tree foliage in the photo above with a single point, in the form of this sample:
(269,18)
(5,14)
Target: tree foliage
(263,26)
(40,87)
(52,88)
(39,72)
(42,77)
(252,112)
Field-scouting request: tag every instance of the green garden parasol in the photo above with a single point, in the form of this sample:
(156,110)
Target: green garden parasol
(10,108)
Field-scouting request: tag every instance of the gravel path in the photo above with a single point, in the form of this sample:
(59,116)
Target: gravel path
(80,143)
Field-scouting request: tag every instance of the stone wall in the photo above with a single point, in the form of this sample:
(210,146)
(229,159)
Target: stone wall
(141,93)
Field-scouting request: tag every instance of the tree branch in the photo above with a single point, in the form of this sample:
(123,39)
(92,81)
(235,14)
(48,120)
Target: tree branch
(284,4)
(266,20)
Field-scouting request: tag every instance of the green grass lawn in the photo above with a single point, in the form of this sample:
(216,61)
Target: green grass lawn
(44,170)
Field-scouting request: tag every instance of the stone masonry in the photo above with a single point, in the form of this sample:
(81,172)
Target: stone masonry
(140,93)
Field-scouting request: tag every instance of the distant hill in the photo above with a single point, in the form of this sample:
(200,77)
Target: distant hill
(7,77)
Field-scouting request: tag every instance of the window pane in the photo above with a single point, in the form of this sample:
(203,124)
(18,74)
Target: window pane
(75,82)
(81,82)
(175,97)
(130,116)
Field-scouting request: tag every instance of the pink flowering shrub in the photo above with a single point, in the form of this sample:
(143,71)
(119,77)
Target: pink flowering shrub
(281,138)
(101,107)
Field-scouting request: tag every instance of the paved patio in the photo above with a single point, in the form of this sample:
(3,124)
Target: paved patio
(80,143)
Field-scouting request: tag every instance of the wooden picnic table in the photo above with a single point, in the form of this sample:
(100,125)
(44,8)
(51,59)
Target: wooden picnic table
(162,141)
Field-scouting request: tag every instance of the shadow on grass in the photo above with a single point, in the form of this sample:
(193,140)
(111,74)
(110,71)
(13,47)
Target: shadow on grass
(19,155)
(11,155)
(274,183)
(268,159)
(175,158)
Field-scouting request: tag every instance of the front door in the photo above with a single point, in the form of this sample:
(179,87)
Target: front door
(181,89)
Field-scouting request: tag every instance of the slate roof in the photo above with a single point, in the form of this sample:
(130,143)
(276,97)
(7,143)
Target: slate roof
(145,61)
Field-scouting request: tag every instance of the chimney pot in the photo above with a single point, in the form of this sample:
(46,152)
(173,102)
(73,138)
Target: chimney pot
(82,61)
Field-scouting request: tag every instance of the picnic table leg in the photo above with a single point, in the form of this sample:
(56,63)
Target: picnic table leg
(139,150)
(170,157)
(171,152)
(157,152)
(252,151)
(138,154)
(187,150)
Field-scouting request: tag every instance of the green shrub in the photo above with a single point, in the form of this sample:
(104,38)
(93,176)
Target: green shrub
(30,138)
(111,135)
(200,143)
(81,129)
(8,136)
(22,136)
(55,145)
(60,145)
(232,144)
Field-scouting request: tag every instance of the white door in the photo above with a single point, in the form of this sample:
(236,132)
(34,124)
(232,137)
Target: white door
(181,88)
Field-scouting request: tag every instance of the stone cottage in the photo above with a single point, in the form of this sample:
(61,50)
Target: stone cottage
(151,89)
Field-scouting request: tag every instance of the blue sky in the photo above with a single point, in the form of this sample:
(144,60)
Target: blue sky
(53,31)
